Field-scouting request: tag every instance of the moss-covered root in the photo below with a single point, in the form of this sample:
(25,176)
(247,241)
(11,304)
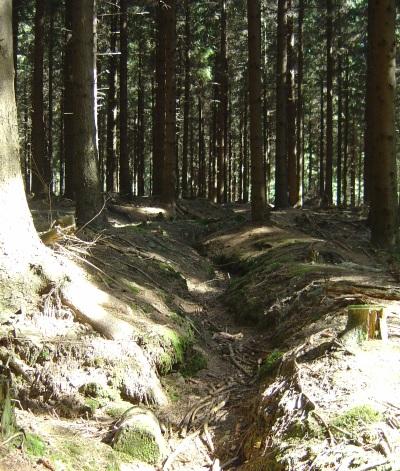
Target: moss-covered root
(139,436)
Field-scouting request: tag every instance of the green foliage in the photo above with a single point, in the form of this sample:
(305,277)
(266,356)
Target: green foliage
(357,417)
(34,445)
(270,363)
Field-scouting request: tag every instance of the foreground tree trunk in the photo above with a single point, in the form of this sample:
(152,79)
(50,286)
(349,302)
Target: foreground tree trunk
(86,166)
(381,93)
(41,166)
(14,212)
(255,96)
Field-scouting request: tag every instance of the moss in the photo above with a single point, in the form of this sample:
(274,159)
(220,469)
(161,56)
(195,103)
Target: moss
(92,404)
(94,390)
(139,444)
(270,363)
(170,271)
(34,445)
(355,418)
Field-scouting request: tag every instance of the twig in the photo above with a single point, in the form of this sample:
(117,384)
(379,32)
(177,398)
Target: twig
(236,363)
(372,466)
(10,439)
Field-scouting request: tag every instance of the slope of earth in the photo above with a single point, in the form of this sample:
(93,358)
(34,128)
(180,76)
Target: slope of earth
(321,405)
(235,347)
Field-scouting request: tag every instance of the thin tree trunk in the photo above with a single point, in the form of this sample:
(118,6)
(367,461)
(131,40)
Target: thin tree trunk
(50,118)
(291,112)
(159,111)
(186,105)
(68,98)
(300,105)
(339,132)
(328,194)
(346,133)
(321,144)
(41,167)
(245,151)
(125,176)
(111,146)
(141,128)
(255,98)
(281,173)
(168,196)
(353,165)
(222,106)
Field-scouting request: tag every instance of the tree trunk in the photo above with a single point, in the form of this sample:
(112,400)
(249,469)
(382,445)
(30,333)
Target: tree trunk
(68,98)
(159,111)
(339,132)
(14,212)
(111,146)
(255,98)
(168,196)
(89,200)
(346,133)
(15,19)
(222,106)
(381,93)
(291,112)
(321,144)
(125,177)
(41,166)
(328,194)
(186,105)
(245,151)
(50,120)
(300,105)
(281,173)
(141,126)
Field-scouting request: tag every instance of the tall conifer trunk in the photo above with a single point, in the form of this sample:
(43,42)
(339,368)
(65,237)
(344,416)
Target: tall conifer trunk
(281,173)
(40,163)
(86,166)
(255,98)
(381,93)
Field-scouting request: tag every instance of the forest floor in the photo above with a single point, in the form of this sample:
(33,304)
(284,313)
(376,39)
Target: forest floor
(242,324)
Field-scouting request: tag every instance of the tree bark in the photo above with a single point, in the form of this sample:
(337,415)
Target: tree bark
(50,118)
(328,194)
(255,99)
(222,106)
(159,111)
(111,146)
(41,166)
(141,126)
(300,104)
(381,95)
(321,144)
(125,177)
(186,105)
(68,98)
(291,111)
(281,173)
(168,196)
(89,200)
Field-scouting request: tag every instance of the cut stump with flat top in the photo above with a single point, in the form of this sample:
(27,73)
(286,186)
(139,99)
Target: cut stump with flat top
(365,322)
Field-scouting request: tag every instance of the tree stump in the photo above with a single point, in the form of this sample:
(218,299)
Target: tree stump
(365,322)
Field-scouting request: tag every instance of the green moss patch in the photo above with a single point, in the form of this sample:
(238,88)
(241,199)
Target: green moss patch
(270,363)
(34,445)
(356,418)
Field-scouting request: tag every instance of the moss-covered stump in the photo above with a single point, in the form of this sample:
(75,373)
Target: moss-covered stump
(365,322)
(139,435)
